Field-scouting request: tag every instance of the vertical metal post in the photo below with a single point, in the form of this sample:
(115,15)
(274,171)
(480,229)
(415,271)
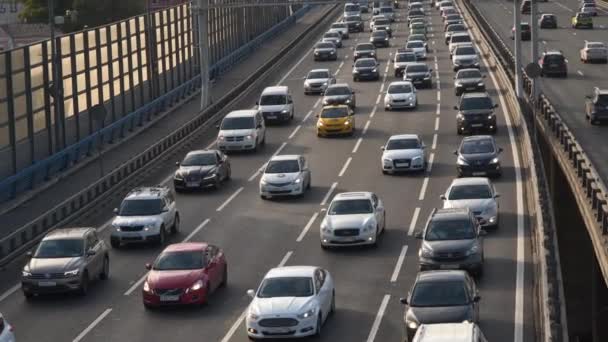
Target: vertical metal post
(518,64)
(535,39)
(203,44)
(57,79)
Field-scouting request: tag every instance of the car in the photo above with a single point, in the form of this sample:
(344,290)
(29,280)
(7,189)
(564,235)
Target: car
(403,152)
(420,37)
(440,4)
(352,9)
(364,50)
(352,219)
(458,38)
(388,12)
(200,169)
(364,6)
(241,130)
(7,332)
(335,120)
(66,260)
(447,11)
(553,63)
(415,5)
(525,31)
(185,273)
(596,106)
(468,80)
(588,8)
(341,27)
(145,215)
(291,301)
(444,296)
(354,22)
(594,52)
(317,80)
(419,48)
(415,14)
(582,20)
(419,74)
(475,112)
(526,7)
(454,28)
(365,68)
(276,104)
(380,38)
(400,94)
(451,239)
(449,22)
(452,332)
(333,37)
(325,51)
(547,20)
(340,93)
(417,29)
(451,17)
(477,156)
(418,20)
(465,57)
(478,195)
(382,24)
(285,175)
(402,59)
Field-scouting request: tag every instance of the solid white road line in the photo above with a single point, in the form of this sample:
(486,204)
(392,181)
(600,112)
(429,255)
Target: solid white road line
(285,259)
(92,325)
(307,227)
(429,166)
(434,145)
(425,184)
(136,285)
(399,264)
(294,131)
(293,67)
(413,222)
(438,111)
(356,148)
(366,127)
(307,116)
(345,166)
(196,230)
(235,326)
(328,194)
(236,193)
(436,123)
(378,320)
(10,291)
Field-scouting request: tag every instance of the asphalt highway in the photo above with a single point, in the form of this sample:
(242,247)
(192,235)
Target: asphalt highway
(257,235)
(568,95)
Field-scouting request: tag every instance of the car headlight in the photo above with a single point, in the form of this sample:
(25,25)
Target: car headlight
(149,226)
(71,273)
(285,111)
(494,161)
(147,287)
(460,117)
(372,53)
(462,162)
(25,273)
(253,316)
(324,83)
(375,70)
(417,160)
(425,251)
(387,161)
(297,181)
(249,137)
(179,176)
(480,84)
(474,250)
(320,123)
(210,175)
(458,84)
(325,101)
(491,117)
(386,38)
(307,314)
(325,228)
(347,123)
(263,181)
(196,286)
(355,71)
(412,325)
(348,101)
(317,53)
(116,227)
(220,137)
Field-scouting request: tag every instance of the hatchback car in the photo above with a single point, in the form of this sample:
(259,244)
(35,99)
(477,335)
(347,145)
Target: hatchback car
(352,9)
(291,301)
(403,152)
(419,48)
(582,20)
(416,13)
(364,50)
(478,156)
(553,63)
(468,80)
(341,27)
(419,74)
(185,274)
(380,38)
(7,333)
(478,195)
(465,57)
(202,168)
(317,80)
(66,260)
(400,94)
(340,93)
(335,120)
(475,113)
(325,51)
(333,37)
(366,69)
(596,106)
(547,20)
(594,52)
(402,59)
(285,175)
(242,130)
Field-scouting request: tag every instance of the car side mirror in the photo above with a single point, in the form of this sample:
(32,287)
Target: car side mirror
(165,209)
(382,148)
(455,152)
(496,195)
(29,254)
(91,252)
(251,293)
(418,234)
(403,300)
(257,103)
(148,266)
(177,163)
(500,150)
(455,107)
(115,211)
(496,105)
(316,115)
(217,126)
(442,197)
(431,70)
(477,298)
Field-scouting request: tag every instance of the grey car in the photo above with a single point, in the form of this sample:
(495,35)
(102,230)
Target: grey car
(469,80)
(478,155)
(478,195)
(366,68)
(419,74)
(440,297)
(380,38)
(325,51)
(202,168)
(364,50)
(66,260)
(340,93)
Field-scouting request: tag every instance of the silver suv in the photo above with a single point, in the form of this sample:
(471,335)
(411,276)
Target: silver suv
(147,214)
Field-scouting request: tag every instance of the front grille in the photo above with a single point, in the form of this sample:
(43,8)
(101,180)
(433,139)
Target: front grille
(279,184)
(452,256)
(401,161)
(195,177)
(47,276)
(271,113)
(278,322)
(235,138)
(346,232)
(315,85)
(168,292)
(131,228)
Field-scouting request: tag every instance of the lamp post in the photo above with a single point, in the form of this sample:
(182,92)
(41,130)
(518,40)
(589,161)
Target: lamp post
(56,88)
(517,38)
(201,8)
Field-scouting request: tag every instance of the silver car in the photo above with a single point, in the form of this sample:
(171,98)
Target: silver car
(66,260)
(403,152)
(478,195)
(400,94)
(333,37)
(353,218)
(6,330)
(318,80)
(285,175)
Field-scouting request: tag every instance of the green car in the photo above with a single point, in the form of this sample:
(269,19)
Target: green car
(581,19)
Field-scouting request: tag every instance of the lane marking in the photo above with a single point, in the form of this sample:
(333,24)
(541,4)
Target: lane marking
(437,123)
(92,325)
(235,326)
(294,131)
(346,164)
(381,88)
(580,73)
(328,194)
(429,166)
(339,67)
(236,193)
(438,92)
(136,285)
(366,127)
(356,148)
(307,227)
(378,99)
(425,184)
(378,319)
(197,229)
(373,113)
(10,291)
(210,145)
(285,259)
(294,67)
(413,221)
(103,227)
(279,149)
(434,145)
(317,103)
(307,116)
(261,168)
(399,264)
(438,111)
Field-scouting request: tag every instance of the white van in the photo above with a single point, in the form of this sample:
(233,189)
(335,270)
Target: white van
(276,104)
(449,332)
(351,9)
(241,130)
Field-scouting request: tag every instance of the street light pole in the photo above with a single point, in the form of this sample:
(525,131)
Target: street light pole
(517,38)
(202,10)
(534,38)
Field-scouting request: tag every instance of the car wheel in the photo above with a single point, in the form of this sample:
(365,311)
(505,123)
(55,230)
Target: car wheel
(332,310)
(161,236)
(225,277)
(319,324)
(115,243)
(105,272)
(175,228)
(84,284)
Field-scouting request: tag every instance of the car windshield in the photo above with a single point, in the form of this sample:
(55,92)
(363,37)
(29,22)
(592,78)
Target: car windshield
(352,8)
(452,229)
(365,63)
(382,22)
(470,191)
(334,112)
(338,25)
(548,17)
(465,50)
(399,88)
(477,146)
(282,166)
(416,68)
(286,287)
(332,35)
(317,74)
(474,103)
(325,45)
(141,207)
(460,39)
(414,45)
(272,100)
(439,293)
(379,34)
(584,15)
(602,100)
(352,18)
(596,46)
(554,59)
(350,207)
(336,91)
(469,74)
(402,144)
(238,123)
(183,260)
(364,47)
(199,159)
(415,37)
(60,248)
(386,10)
(418,26)
(449,11)
(406,57)
(456,28)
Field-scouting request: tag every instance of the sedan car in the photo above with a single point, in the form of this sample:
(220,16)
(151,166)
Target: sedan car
(341,27)
(465,56)
(366,68)
(594,52)
(318,80)
(447,296)
(340,93)
(449,22)
(185,274)
(292,301)
(419,47)
(6,330)
(335,120)
(478,195)
(475,113)
(354,22)
(596,106)
(333,37)
(66,260)
(468,80)
(403,152)
(401,94)
(459,38)
(364,50)
(285,175)
(382,24)
(325,51)
(478,156)
(453,29)
(202,168)
(547,20)
(380,38)
(402,59)
(353,218)
(419,74)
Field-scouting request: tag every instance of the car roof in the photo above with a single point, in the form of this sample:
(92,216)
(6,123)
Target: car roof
(291,271)
(286,157)
(186,246)
(400,83)
(242,113)
(275,90)
(471,181)
(450,214)
(456,34)
(601,91)
(440,275)
(67,233)
(353,195)
(365,59)
(553,52)
(417,64)
(446,332)
(477,95)
(150,192)
(197,152)
(403,136)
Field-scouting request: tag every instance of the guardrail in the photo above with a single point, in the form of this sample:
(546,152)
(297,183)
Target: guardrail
(44,170)
(87,199)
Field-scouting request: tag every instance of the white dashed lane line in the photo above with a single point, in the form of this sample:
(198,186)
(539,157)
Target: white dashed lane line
(226,202)
(356,148)
(366,127)
(580,73)
(434,145)
(345,167)
(425,184)
(371,115)
(328,194)
(307,227)
(438,111)
(307,116)
(376,325)
(92,325)
(294,131)
(429,166)
(399,264)
(436,123)
(413,221)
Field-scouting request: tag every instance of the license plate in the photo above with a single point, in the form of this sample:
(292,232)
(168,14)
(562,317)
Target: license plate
(192,184)
(470,88)
(279,330)
(169,298)
(402,165)
(271,117)
(552,65)
(476,125)
(46,283)
(449,267)
(478,173)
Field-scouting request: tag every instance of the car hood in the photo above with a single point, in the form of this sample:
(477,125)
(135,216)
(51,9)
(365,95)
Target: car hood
(53,265)
(280,177)
(237,132)
(478,156)
(401,96)
(473,204)
(477,111)
(469,80)
(440,314)
(460,57)
(333,121)
(272,108)
(348,221)
(316,80)
(450,246)
(192,170)
(398,154)
(280,305)
(331,39)
(173,279)
(136,220)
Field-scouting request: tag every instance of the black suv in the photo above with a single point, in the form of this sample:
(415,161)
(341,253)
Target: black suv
(553,63)
(596,106)
(475,112)
(364,50)
(380,38)
(468,80)
(547,21)
(478,155)
(354,22)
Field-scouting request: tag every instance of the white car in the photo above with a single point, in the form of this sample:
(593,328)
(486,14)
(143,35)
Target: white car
(416,5)
(589,8)
(594,51)
(333,37)
(318,80)
(292,301)
(242,130)
(285,175)
(388,12)
(478,195)
(459,38)
(419,47)
(403,152)
(465,57)
(353,218)
(341,27)
(400,94)
(445,3)
(6,331)
(351,9)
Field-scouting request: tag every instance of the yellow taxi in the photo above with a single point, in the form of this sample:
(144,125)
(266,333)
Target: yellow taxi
(334,120)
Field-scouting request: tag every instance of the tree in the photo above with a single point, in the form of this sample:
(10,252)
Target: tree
(37,11)
(95,13)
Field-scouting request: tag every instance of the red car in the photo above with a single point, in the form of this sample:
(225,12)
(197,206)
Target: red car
(185,273)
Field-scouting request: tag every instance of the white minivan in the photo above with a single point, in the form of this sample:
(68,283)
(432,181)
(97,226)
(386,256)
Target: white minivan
(276,104)
(241,130)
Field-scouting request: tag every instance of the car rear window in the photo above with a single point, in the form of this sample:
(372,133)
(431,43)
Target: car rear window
(602,100)
(554,59)
(364,47)
(460,39)
(417,68)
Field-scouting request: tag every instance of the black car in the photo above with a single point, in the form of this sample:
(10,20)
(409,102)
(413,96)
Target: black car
(548,21)
(419,74)
(524,30)
(553,63)
(340,93)
(366,69)
(468,80)
(202,168)
(478,156)
(475,113)
(379,38)
(596,106)
(526,7)
(364,50)
(447,296)
(354,22)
